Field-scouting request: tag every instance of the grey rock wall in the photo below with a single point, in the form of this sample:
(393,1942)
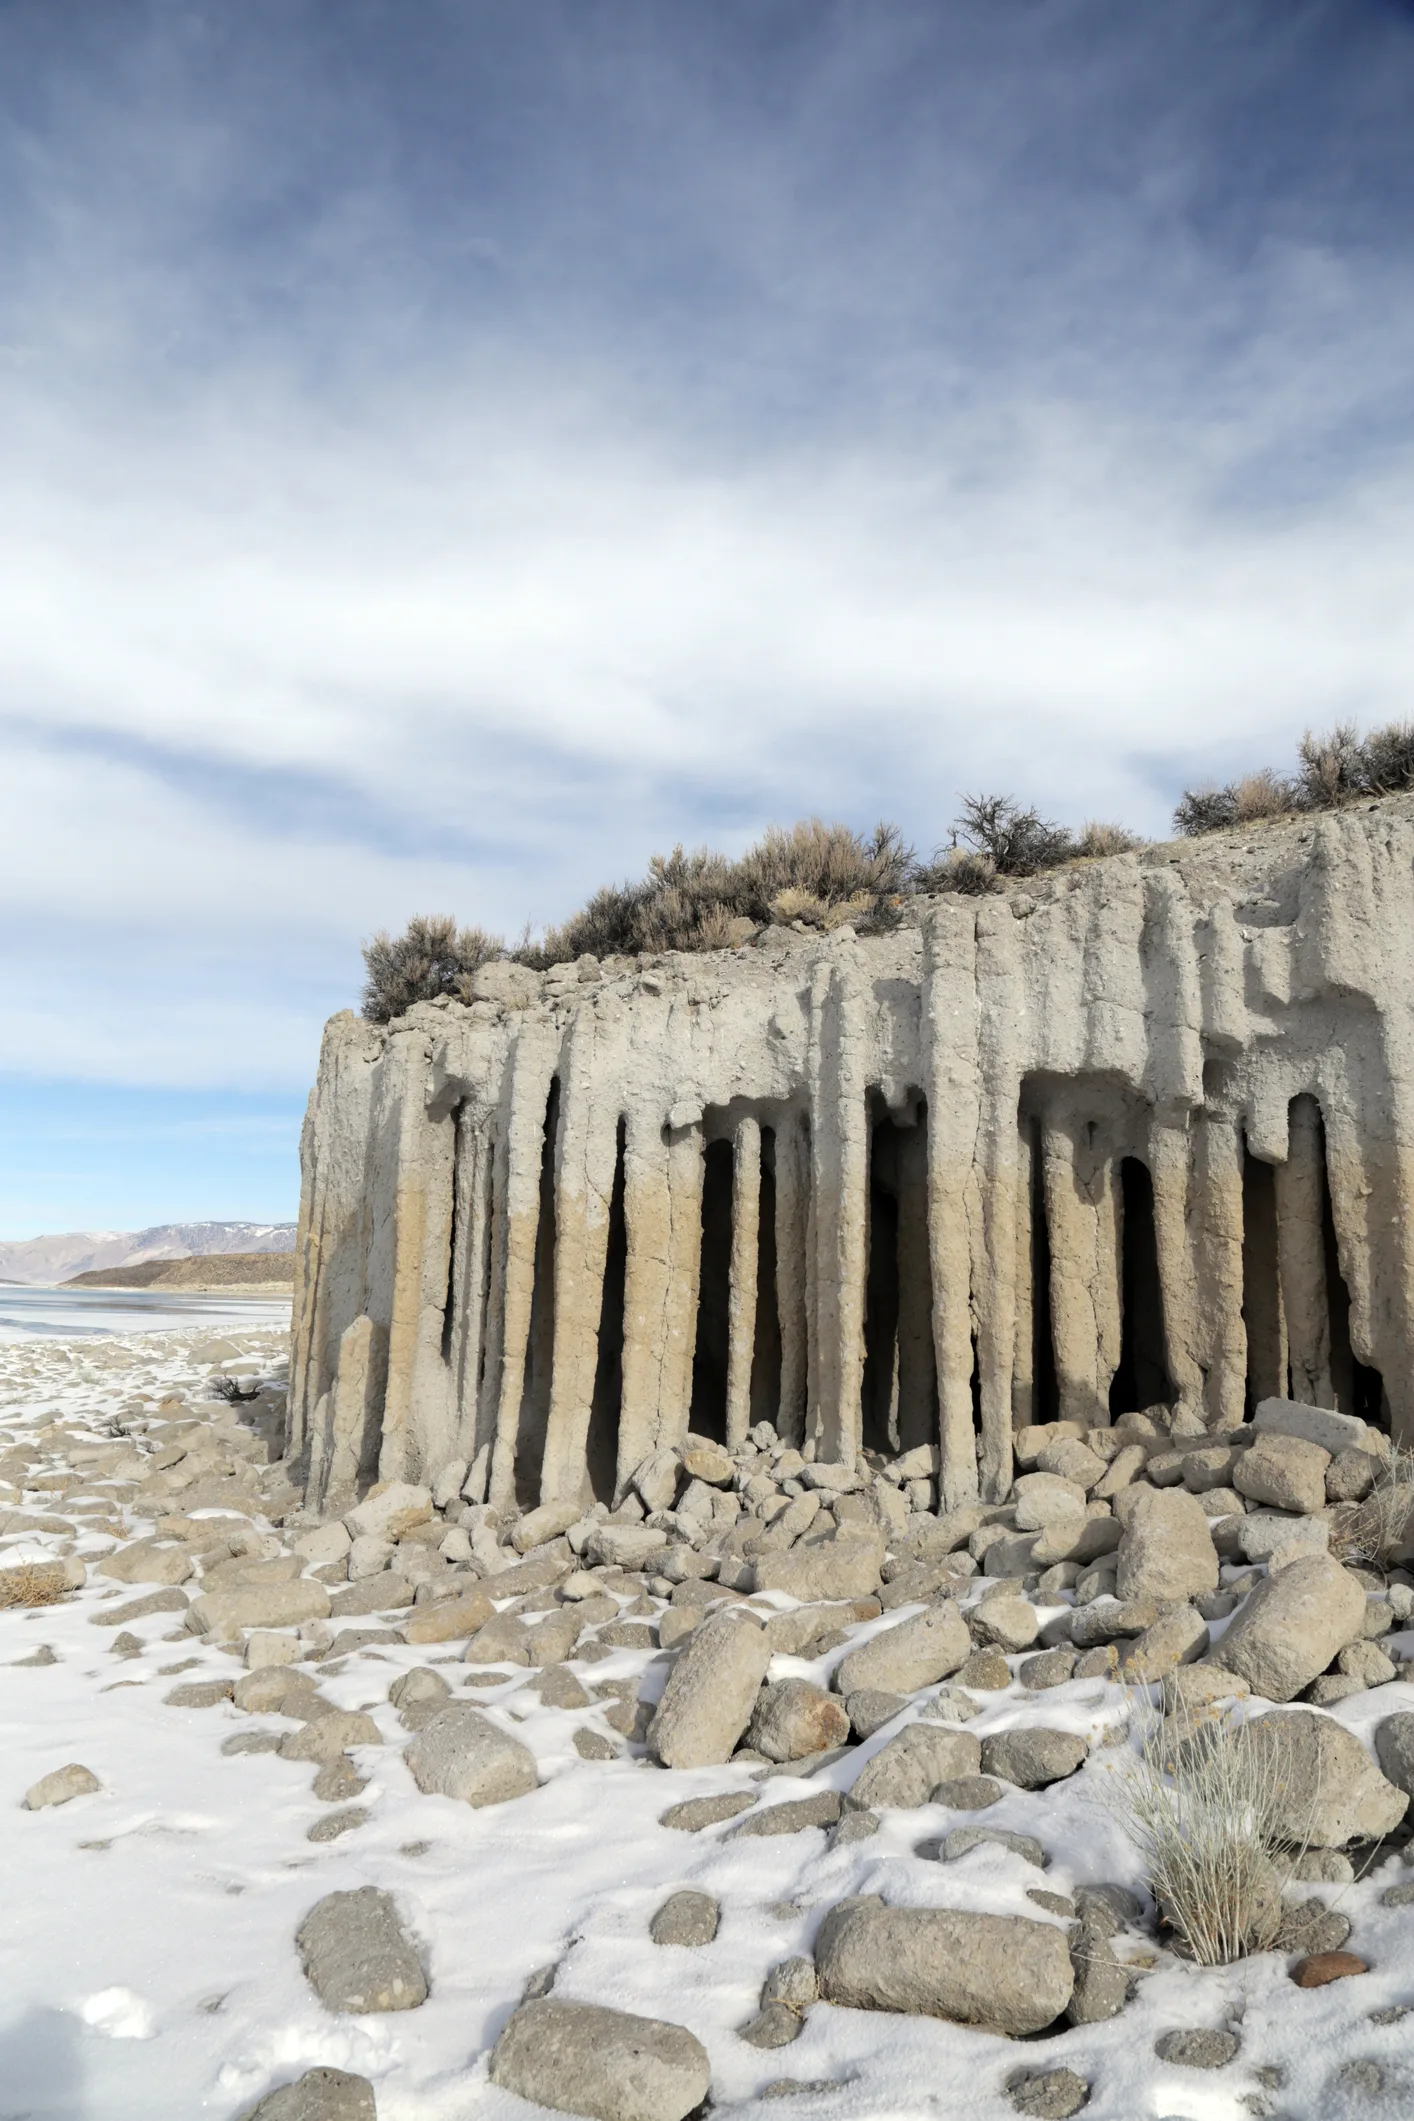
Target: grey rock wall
(1140,1130)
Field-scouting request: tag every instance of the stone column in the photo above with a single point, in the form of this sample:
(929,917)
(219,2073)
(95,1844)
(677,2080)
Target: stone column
(949,1016)
(685,1175)
(746,1240)
(917,1370)
(792,1188)
(584,1184)
(416,1427)
(533,1067)
(1023,1365)
(1082,1219)
(1215,1342)
(1300,1190)
(839,1190)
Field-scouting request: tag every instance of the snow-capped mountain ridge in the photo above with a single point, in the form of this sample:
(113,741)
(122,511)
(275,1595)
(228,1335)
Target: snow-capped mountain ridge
(56,1258)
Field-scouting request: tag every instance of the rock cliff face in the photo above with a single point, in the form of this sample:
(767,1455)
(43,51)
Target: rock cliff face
(1140,1131)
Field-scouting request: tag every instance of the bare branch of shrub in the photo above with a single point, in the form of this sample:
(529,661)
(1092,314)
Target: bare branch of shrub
(1019,842)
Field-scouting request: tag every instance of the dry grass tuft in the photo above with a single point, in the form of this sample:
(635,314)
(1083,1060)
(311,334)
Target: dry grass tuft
(1377,1530)
(33,1583)
(1208,1816)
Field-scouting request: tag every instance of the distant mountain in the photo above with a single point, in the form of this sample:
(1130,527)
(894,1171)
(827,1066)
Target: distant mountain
(39,1259)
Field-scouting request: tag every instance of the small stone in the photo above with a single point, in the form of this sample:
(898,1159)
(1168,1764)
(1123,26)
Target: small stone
(1321,1968)
(792,1982)
(1331,1792)
(696,1813)
(794,1718)
(356,1955)
(252,1742)
(851,1827)
(1292,1625)
(1047,1669)
(1310,1927)
(609,2065)
(904,1772)
(963,1839)
(985,1670)
(593,1745)
(338,1780)
(1008,1624)
(1100,1663)
(330,1735)
(1053,1903)
(1285,1471)
(1323,1867)
(775,2026)
(333,1824)
(686,1918)
(60,1786)
(170,1601)
(968,1793)
(319,2095)
(1048,2094)
(264,1646)
(1033,1757)
(200,1694)
(870,1709)
(1197,2048)
(1166,1551)
(794,1816)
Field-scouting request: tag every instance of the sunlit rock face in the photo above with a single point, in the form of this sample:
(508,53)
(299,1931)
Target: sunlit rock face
(1139,1131)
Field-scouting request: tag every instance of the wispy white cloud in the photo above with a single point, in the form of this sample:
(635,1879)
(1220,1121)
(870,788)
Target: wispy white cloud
(402,512)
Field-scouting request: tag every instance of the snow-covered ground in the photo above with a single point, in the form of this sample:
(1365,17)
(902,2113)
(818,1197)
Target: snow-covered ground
(149,1967)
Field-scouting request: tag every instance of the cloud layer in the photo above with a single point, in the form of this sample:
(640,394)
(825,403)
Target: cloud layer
(453,451)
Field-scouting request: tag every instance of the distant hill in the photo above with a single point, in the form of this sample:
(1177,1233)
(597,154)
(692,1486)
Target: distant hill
(58,1259)
(207,1270)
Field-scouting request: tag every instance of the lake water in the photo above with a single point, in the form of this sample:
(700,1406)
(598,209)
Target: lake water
(29,1313)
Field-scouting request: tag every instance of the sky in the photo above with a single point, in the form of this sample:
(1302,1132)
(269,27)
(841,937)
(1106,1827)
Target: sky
(450,450)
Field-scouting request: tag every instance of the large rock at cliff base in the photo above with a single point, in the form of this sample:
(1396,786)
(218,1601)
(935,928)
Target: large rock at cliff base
(711,1691)
(1001,1972)
(907,1770)
(1285,1471)
(845,1566)
(914,1653)
(1166,1551)
(580,2058)
(1292,1625)
(1331,1791)
(356,1955)
(461,1753)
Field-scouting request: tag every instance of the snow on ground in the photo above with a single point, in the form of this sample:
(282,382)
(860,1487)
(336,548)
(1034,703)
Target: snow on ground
(149,1967)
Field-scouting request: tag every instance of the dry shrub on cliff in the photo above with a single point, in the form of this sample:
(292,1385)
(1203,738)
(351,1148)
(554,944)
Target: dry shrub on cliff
(1210,1819)
(432,956)
(1339,767)
(1099,839)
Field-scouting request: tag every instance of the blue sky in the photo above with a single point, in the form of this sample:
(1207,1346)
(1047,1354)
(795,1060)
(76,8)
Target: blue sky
(452,450)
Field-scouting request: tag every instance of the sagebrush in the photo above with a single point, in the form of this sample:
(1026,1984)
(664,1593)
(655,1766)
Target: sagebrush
(822,876)
(1209,1817)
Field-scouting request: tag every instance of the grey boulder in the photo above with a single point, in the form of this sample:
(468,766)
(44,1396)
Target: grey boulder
(794,1718)
(906,1770)
(357,1956)
(580,2058)
(686,1918)
(1002,1972)
(1331,1791)
(1166,1550)
(711,1691)
(912,1654)
(1033,1757)
(1291,1626)
(461,1753)
(1394,1748)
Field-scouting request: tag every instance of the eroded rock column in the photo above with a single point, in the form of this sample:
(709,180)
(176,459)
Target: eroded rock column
(792,1189)
(533,1067)
(1300,1191)
(741,1309)
(1082,1218)
(954,1108)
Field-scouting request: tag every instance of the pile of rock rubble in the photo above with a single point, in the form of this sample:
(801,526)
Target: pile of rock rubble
(1194,1565)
